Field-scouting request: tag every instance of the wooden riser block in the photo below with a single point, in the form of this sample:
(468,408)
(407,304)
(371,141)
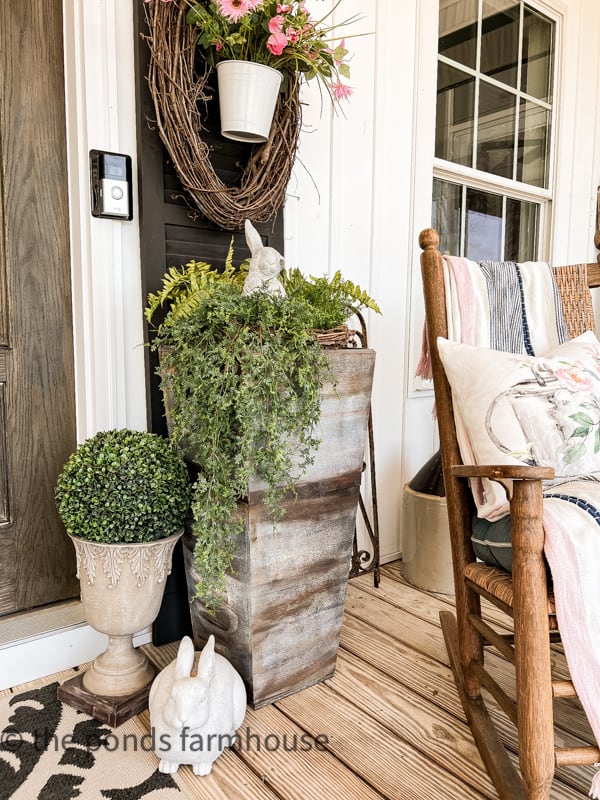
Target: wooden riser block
(111,710)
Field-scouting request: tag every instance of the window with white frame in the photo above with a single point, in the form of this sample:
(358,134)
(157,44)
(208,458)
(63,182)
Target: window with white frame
(495,97)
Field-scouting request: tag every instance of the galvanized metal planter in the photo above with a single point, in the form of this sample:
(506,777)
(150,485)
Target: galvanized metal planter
(281,625)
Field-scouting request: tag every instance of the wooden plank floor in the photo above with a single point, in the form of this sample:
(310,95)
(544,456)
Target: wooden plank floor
(389,722)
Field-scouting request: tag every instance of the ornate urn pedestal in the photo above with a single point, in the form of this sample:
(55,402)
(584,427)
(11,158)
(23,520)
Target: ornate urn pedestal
(122,586)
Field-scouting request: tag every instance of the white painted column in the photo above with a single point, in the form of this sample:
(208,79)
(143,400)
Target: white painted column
(107,303)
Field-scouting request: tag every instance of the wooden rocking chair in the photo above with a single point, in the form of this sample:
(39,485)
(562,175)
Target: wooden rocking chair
(524,595)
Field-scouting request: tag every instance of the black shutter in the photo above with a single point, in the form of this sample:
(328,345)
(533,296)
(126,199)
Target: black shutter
(171,234)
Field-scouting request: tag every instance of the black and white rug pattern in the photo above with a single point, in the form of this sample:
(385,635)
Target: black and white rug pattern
(50,751)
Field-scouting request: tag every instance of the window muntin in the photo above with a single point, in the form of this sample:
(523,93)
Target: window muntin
(494,117)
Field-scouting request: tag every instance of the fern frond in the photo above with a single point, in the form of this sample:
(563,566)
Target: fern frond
(329,301)
(229,268)
(183,288)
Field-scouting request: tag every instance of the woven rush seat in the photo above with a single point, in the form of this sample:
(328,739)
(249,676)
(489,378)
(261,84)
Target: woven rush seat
(497,583)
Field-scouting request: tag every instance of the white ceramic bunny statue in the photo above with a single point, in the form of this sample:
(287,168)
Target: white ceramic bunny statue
(194,718)
(265,265)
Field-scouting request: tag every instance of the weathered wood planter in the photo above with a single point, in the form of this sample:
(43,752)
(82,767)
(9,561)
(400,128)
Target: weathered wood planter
(282,622)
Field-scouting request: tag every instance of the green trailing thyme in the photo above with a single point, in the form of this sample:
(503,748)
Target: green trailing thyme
(245,376)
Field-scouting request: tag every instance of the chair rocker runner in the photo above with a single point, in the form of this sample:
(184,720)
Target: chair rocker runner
(524,595)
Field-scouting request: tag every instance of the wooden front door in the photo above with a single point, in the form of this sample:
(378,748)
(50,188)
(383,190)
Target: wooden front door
(37,407)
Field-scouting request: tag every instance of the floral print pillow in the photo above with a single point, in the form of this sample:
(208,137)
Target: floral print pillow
(539,410)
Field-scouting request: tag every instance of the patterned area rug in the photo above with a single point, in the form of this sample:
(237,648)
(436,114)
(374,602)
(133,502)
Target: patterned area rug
(50,751)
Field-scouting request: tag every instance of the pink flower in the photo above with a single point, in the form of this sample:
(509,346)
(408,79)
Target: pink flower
(234,9)
(218,46)
(574,377)
(253,4)
(283,8)
(276,43)
(292,35)
(341,91)
(276,24)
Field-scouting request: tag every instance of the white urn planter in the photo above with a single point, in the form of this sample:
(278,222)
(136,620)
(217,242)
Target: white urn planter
(122,586)
(247,99)
(123,497)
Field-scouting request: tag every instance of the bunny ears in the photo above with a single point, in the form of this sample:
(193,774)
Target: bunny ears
(253,239)
(185,659)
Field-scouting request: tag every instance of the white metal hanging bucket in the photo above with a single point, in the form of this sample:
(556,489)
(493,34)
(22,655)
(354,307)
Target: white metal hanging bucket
(247,98)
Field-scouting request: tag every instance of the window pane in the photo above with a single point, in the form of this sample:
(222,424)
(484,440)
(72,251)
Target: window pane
(522,226)
(446,215)
(484,224)
(496,130)
(454,116)
(458,31)
(500,40)
(483,236)
(532,155)
(537,63)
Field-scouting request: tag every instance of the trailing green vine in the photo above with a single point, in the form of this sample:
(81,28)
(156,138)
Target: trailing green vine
(244,376)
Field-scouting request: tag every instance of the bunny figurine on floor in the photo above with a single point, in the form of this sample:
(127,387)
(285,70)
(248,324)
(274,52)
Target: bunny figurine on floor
(194,718)
(265,265)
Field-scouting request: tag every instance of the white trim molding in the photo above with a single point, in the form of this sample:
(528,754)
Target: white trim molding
(54,651)
(105,254)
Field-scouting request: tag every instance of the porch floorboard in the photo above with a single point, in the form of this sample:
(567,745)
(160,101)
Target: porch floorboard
(390,719)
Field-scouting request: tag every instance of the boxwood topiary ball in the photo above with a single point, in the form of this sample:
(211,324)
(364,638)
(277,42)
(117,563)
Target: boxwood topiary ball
(123,486)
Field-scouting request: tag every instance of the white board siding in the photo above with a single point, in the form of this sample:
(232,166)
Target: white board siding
(350,210)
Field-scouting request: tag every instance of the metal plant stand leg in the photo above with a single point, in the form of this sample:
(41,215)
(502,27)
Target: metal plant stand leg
(364,561)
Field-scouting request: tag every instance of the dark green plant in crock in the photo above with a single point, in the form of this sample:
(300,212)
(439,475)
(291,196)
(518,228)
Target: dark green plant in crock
(123,486)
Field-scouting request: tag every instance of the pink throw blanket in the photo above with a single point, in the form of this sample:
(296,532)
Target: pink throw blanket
(502,305)
(572,547)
